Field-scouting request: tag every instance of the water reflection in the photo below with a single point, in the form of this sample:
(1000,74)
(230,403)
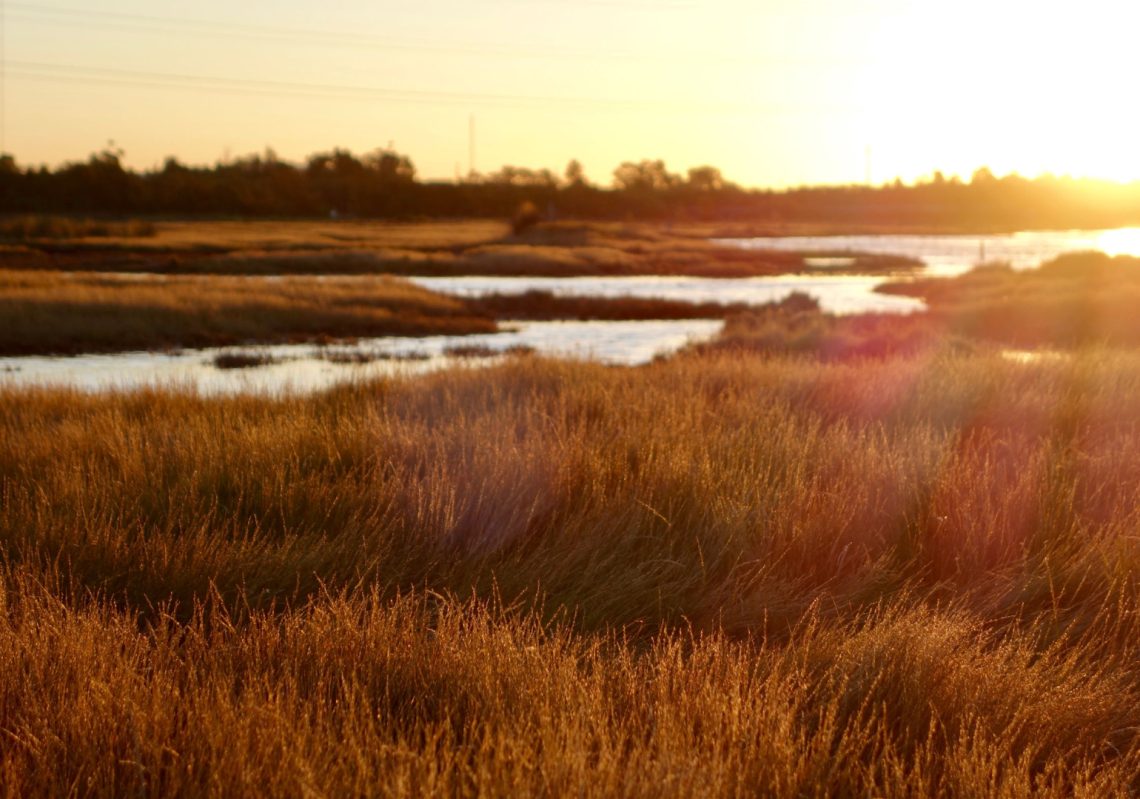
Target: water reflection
(301,368)
(1034,356)
(952,255)
(841,294)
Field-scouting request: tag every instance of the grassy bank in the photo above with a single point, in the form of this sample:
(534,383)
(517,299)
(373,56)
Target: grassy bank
(1075,300)
(716,575)
(428,248)
(62,313)
(211,236)
(796,326)
(56,228)
(545,305)
(59,313)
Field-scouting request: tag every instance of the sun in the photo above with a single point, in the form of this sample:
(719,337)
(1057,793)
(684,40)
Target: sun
(1019,87)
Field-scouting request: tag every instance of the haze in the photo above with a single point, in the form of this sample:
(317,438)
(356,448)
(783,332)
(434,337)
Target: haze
(774,93)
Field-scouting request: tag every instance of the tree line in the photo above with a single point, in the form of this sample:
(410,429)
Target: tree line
(383,184)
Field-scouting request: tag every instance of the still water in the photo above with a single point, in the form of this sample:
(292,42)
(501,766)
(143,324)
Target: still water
(302,368)
(841,294)
(953,255)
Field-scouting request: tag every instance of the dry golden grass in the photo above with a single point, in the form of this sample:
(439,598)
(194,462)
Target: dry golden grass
(424,248)
(33,228)
(1075,300)
(719,575)
(324,234)
(795,325)
(53,312)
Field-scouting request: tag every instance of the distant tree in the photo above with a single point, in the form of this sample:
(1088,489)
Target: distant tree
(982,175)
(338,162)
(390,166)
(521,176)
(99,185)
(706,178)
(575,175)
(644,176)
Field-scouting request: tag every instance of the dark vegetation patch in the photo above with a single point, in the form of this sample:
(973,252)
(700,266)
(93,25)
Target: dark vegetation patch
(483,351)
(545,305)
(363,356)
(243,359)
(34,228)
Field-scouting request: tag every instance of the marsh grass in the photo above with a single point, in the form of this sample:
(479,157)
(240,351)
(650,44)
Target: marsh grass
(33,228)
(546,305)
(51,312)
(343,355)
(283,235)
(721,574)
(1079,299)
(475,351)
(796,326)
(243,359)
(428,248)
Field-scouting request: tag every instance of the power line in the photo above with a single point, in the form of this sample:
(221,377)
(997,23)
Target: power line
(182,26)
(77,73)
(70,73)
(645,5)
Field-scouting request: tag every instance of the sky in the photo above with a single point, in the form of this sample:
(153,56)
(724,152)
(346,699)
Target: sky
(775,93)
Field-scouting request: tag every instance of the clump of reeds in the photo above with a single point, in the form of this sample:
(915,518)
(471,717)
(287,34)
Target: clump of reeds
(484,351)
(31,228)
(243,359)
(363,356)
(546,305)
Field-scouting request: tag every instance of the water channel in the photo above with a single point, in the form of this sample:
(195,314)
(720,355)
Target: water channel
(302,368)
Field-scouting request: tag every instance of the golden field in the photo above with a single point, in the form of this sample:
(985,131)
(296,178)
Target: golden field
(718,575)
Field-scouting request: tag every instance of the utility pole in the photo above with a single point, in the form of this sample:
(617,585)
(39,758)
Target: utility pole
(471,145)
(3,81)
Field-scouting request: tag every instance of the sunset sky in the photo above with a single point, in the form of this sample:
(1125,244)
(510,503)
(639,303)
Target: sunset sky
(775,93)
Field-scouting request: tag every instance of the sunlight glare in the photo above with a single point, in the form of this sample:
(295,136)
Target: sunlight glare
(1122,241)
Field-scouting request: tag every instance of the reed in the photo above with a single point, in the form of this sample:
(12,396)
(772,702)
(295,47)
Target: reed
(726,573)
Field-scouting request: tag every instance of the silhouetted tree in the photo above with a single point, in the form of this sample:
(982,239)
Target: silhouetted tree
(521,176)
(982,175)
(575,175)
(706,178)
(644,176)
(390,167)
(383,184)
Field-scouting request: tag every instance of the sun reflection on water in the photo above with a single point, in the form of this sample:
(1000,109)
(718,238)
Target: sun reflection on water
(1122,241)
